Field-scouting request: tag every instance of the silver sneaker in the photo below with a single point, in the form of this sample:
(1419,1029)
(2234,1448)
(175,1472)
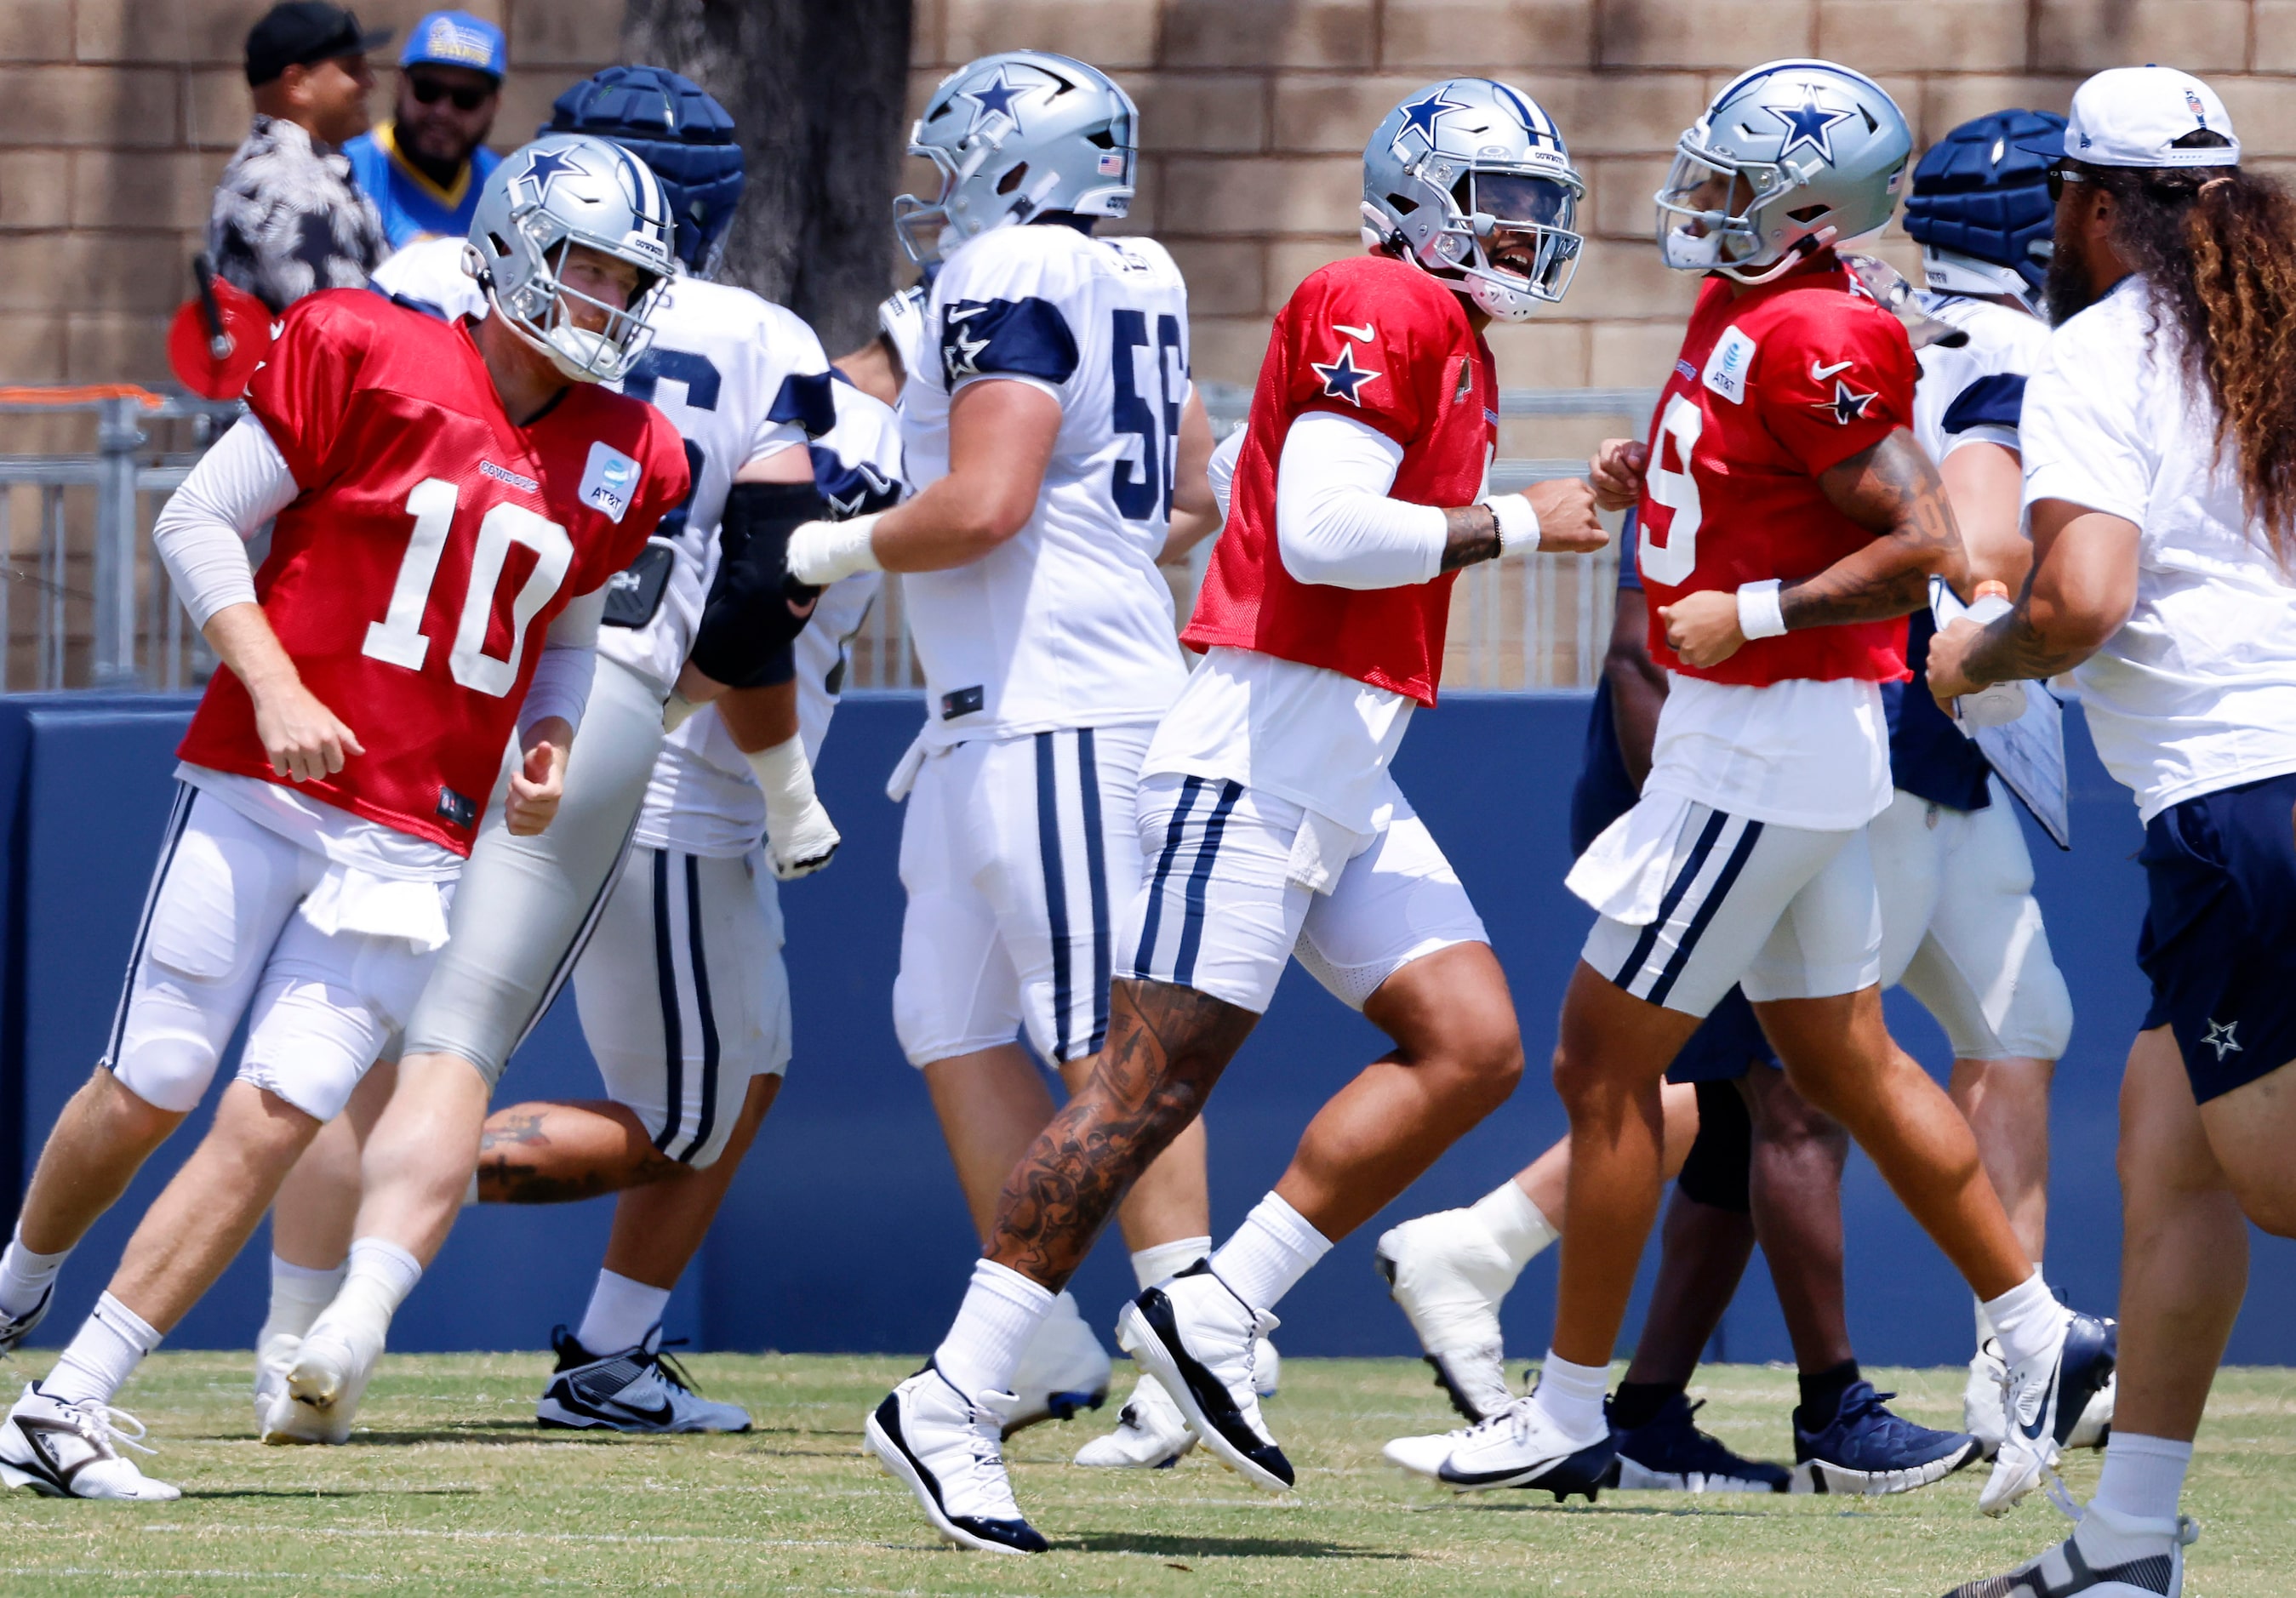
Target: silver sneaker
(61,1450)
(636,1390)
(2064,1572)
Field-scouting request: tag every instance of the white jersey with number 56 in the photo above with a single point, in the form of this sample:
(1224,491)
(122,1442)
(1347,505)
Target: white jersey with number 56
(1068,624)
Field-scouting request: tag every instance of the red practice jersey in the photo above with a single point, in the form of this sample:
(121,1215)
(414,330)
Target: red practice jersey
(433,542)
(1372,338)
(1774,387)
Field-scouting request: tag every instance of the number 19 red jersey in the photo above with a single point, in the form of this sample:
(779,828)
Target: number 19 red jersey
(1774,387)
(433,542)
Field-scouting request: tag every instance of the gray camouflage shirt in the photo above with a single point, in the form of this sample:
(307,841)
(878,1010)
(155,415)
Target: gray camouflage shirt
(289,218)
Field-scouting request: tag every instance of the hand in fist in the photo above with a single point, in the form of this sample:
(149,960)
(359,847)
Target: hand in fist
(1566,516)
(1616,471)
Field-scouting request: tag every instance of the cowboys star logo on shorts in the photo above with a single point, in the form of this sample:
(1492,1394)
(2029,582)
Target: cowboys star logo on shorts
(1846,405)
(2220,1038)
(1342,377)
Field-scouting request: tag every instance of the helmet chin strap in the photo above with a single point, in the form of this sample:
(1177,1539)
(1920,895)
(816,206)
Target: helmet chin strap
(1801,250)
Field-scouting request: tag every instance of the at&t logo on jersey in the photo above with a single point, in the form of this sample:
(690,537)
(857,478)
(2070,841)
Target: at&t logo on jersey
(610,481)
(1726,367)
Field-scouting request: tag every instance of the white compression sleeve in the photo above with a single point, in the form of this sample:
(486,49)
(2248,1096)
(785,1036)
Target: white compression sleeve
(1221,468)
(203,531)
(569,654)
(1335,522)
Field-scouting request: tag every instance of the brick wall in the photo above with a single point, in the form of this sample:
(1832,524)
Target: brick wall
(116,115)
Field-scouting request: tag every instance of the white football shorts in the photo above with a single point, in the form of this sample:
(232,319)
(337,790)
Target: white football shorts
(1222,906)
(1961,930)
(526,904)
(1786,912)
(220,941)
(682,995)
(1019,854)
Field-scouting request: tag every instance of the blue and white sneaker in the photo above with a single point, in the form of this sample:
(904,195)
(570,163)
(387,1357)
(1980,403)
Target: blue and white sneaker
(2046,1400)
(2065,1572)
(948,1450)
(1201,1343)
(1519,1446)
(15,1328)
(639,1389)
(1868,1450)
(1671,1455)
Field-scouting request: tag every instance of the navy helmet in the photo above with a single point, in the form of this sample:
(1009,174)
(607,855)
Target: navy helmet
(672,125)
(1981,206)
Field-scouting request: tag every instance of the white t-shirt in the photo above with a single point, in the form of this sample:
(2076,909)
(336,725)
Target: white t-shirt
(702,798)
(2197,691)
(1797,753)
(740,378)
(1970,395)
(1068,622)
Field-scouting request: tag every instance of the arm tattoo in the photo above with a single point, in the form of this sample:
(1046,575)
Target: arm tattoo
(2013,650)
(1167,1046)
(1472,535)
(1894,491)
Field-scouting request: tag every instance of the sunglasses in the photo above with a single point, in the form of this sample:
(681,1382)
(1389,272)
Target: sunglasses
(430,91)
(2058,176)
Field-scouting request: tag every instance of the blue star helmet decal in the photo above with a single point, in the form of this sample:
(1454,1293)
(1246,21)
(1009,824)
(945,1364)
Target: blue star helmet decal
(1846,405)
(543,168)
(1342,377)
(1809,123)
(996,99)
(1423,113)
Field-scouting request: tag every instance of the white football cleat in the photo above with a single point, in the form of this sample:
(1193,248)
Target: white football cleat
(1266,1369)
(948,1449)
(636,1390)
(2045,1399)
(327,1381)
(1519,1446)
(1984,1398)
(274,1356)
(1062,1369)
(1151,1432)
(2065,1572)
(1448,1276)
(63,1450)
(1200,1340)
(15,1328)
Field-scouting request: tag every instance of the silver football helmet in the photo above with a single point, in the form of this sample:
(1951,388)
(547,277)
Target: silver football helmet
(1792,158)
(563,190)
(1464,167)
(1013,135)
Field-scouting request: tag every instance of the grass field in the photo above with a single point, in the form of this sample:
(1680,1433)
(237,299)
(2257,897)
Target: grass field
(448,1488)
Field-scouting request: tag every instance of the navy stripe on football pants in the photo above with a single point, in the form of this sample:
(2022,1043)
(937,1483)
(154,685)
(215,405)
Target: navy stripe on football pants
(179,818)
(1693,894)
(1183,873)
(1069,821)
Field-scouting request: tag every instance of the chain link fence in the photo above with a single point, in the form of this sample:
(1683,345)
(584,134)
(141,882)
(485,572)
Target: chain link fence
(87,603)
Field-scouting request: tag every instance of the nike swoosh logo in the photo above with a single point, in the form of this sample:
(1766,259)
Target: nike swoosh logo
(1818,373)
(966,313)
(1361,335)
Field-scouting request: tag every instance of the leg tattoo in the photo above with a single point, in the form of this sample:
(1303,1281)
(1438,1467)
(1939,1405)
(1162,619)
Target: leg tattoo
(1167,1046)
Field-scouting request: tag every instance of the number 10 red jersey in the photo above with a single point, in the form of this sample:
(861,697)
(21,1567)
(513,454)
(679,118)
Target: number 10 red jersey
(433,542)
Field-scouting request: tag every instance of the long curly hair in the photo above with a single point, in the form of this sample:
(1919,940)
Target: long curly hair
(2217,246)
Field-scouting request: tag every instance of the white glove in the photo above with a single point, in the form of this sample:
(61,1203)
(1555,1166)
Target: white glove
(820,553)
(799,837)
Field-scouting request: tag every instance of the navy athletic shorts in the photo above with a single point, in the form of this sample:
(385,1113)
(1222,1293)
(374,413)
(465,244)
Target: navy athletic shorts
(2219,939)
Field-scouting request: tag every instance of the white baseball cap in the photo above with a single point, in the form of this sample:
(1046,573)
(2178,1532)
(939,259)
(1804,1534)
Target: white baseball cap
(2132,116)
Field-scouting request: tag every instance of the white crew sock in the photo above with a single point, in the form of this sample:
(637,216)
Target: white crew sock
(103,1355)
(1153,1265)
(25,1275)
(1519,1226)
(1001,1311)
(2027,1319)
(622,1313)
(2133,1514)
(380,1276)
(1985,1328)
(298,1294)
(1269,1253)
(1573,1394)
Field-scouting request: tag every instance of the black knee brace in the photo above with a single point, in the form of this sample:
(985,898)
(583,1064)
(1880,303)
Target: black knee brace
(755,609)
(1720,1166)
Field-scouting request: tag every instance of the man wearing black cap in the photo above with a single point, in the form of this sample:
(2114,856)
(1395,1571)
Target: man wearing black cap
(288,216)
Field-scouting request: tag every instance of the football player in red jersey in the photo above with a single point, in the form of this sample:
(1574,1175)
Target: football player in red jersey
(1266,815)
(450,503)
(1788,522)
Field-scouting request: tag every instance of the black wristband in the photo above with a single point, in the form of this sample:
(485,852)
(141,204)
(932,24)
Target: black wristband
(756,609)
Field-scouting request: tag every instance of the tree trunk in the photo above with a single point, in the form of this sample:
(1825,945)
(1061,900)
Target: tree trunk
(818,92)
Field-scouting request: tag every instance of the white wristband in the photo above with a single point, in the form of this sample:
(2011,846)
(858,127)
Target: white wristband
(820,553)
(785,776)
(1518,522)
(1759,612)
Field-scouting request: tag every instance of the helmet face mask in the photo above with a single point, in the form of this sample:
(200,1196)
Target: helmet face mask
(1014,136)
(1469,181)
(1791,158)
(562,192)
